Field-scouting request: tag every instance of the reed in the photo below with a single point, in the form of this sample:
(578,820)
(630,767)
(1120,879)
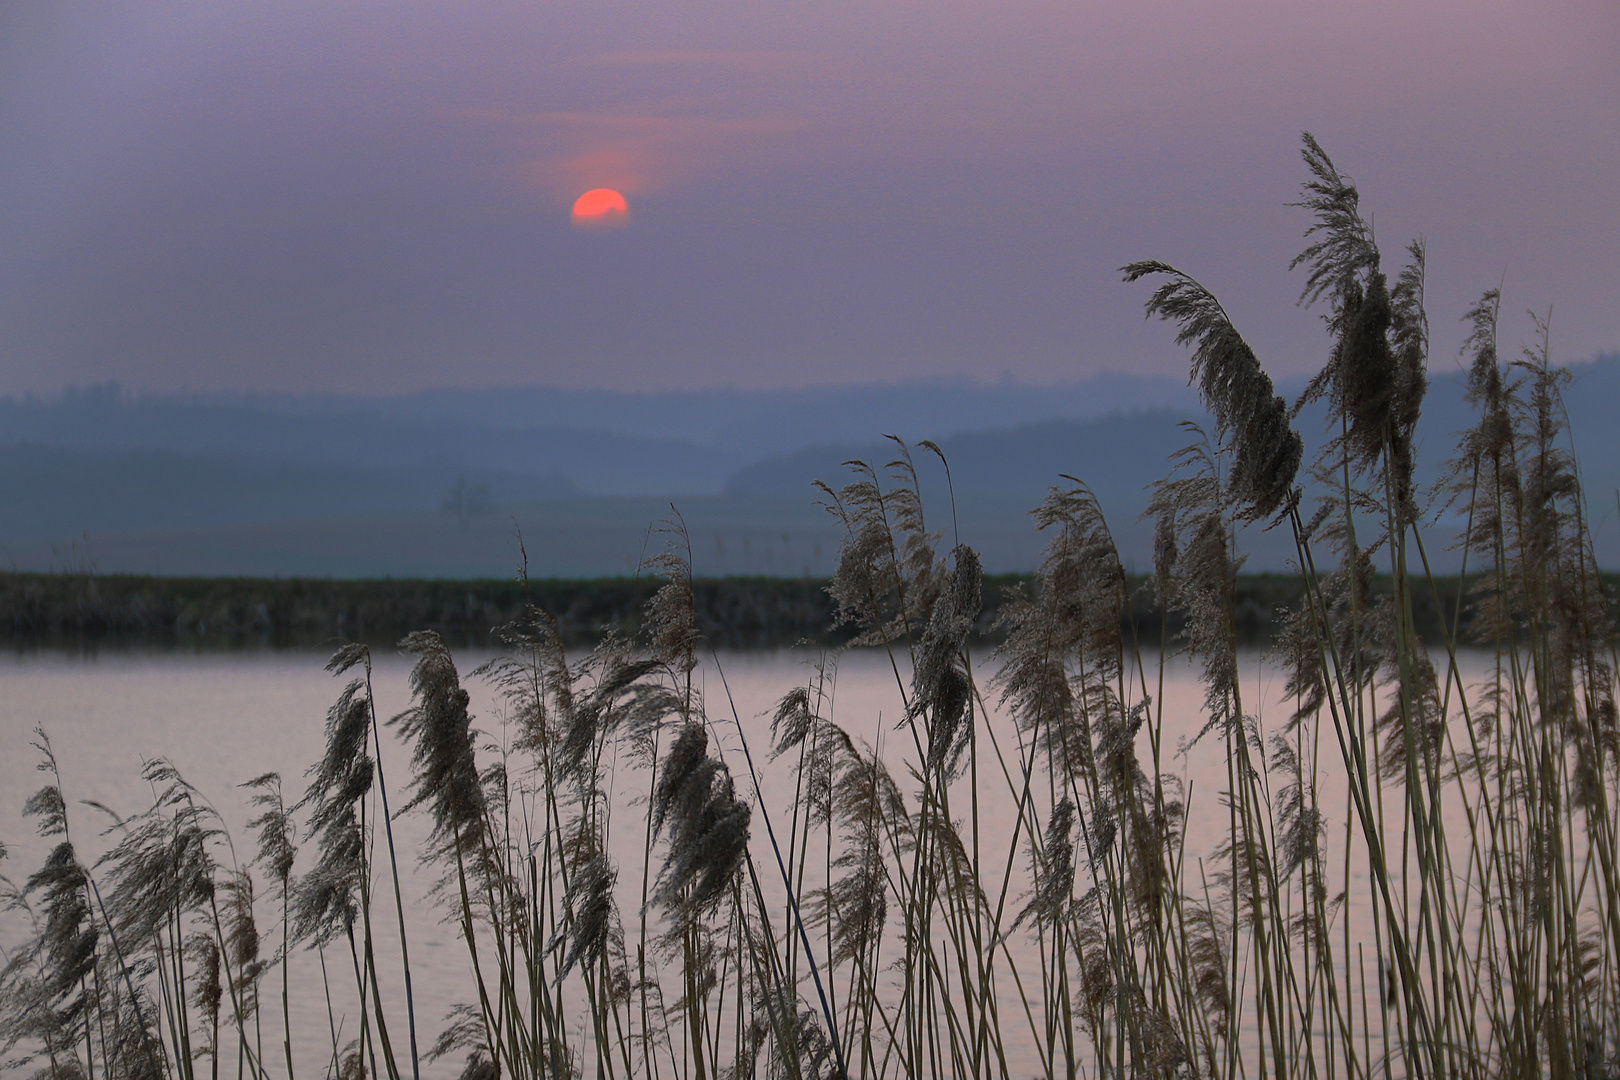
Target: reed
(1413,871)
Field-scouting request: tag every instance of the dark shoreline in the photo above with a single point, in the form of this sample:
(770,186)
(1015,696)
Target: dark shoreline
(79,610)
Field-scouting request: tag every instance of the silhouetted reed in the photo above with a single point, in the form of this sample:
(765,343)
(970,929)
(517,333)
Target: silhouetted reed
(1414,873)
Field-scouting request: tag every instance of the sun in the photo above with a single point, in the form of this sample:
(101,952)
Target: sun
(601,207)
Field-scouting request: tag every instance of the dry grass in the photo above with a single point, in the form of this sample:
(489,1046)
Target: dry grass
(1416,874)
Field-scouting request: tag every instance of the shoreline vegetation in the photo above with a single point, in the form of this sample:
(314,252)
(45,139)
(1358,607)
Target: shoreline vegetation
(1410,870)
(75,610)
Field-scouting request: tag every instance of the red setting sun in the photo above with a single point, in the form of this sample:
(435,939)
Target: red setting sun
(601,206)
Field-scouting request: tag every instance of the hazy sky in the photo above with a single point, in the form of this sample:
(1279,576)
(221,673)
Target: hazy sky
(374,196)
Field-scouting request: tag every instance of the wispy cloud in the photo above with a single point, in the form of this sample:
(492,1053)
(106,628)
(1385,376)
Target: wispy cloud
(564,152)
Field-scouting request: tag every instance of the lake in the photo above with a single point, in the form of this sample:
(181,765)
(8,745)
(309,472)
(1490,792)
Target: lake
(224,717)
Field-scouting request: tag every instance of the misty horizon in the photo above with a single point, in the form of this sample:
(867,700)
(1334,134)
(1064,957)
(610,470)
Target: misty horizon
(366,486)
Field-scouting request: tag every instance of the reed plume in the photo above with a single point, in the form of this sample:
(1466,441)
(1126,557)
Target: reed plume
(443,754)
(942,688)
(1251,420)
(707,824)
(1413,871)
(326,901)
(886,580)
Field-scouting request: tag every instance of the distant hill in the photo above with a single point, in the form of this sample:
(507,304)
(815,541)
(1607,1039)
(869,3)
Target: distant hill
(753,424)
(1119,453)
(47,492)
(359,436)
(354,486)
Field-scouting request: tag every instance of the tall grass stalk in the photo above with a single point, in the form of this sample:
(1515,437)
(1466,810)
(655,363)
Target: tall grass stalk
(1405,863)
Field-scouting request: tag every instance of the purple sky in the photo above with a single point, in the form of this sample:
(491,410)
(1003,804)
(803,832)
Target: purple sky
(374,197)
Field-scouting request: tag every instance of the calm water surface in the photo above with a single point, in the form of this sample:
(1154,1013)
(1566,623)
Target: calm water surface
(223,718)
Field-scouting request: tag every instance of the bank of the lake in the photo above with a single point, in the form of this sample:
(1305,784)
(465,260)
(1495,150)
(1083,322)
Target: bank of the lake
(738,612)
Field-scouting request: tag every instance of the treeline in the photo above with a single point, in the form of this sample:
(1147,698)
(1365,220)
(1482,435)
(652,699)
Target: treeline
(752,612)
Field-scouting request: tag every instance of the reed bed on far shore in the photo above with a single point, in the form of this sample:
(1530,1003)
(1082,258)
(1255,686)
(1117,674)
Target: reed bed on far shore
(92,611)
(1415,874)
